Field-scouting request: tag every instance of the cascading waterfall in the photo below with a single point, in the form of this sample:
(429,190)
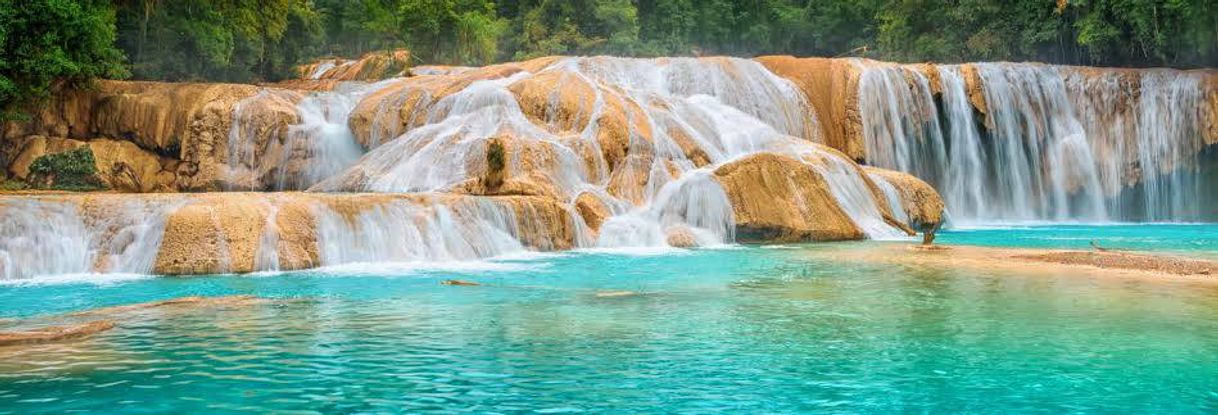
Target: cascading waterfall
(322,144)
(403,231)
(1055,143)
(51,237)
(723,108)
(319,146)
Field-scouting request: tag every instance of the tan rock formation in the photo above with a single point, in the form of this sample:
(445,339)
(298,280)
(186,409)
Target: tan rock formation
(184,122)
(780,199)
(228,232)
(1211,110)
(592,209)
(122,165)
(373,66)
(213,234)
(831,86)
(393,110)
(920,201)
(974,88)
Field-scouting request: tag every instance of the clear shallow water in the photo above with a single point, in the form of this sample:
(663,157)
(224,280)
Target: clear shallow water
(1189,239)
(735,330)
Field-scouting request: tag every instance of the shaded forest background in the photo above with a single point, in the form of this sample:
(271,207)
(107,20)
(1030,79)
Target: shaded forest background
(50,41)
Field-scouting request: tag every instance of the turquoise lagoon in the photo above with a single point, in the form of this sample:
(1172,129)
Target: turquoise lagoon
(779,329)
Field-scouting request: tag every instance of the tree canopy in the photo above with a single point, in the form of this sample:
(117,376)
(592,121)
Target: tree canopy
(247,39)
(53,41)
(260,40)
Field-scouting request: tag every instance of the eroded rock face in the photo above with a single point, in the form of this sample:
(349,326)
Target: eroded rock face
(121,165)
(177,129)
(831,86)
(781,199)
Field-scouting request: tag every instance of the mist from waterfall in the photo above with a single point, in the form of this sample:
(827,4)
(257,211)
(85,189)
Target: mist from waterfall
(1054,143)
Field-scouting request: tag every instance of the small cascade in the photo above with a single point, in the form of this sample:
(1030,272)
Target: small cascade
(901,123)
(855,197)
(322,144)
(892,196)
(693,206)
(322,68)
(1054,143)
(267,257)
(267,154)
(403,231)
(51,237)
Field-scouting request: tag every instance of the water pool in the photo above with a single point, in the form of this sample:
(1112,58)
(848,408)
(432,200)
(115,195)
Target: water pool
(1187,239)
(756,330)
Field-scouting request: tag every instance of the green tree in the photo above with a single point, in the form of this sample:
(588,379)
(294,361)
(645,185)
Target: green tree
(51,42)
(219,40)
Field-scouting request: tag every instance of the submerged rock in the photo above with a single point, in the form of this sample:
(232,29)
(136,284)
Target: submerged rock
(54,333)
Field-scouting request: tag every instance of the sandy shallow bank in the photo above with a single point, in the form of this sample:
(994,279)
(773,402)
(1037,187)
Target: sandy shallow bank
(1037,262)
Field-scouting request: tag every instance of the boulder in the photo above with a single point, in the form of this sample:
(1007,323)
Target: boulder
(780,199)
(921,203)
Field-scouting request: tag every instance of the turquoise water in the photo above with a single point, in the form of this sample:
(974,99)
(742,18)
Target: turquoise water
(748,330)
(1188,239)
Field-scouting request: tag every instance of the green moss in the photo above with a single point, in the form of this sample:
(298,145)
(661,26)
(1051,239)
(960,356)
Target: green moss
(74,170)
(494,156)
(9,185)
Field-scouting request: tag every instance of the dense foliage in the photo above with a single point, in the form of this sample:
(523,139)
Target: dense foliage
(1091,32)
(51,41)
(259,40)
(70,170)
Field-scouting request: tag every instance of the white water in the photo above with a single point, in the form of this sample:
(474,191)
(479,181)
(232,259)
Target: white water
(50,237)
(317,147)
(403,231)
(1054,145)
(724,109)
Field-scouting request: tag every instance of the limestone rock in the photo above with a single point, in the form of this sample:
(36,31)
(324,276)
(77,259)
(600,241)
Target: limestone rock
(831,86)
(121,165)
(372,66)
(681,237)
(922,204)
(780,199)
(592,209)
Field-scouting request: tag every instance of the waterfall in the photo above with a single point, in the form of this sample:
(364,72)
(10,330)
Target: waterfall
(676,119)
(405,231)
(1054,143)
(318,146)
(45,236)
(892,196)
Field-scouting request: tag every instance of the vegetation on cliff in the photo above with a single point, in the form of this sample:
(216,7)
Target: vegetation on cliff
(70,170)
(53,41)
(246,41)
